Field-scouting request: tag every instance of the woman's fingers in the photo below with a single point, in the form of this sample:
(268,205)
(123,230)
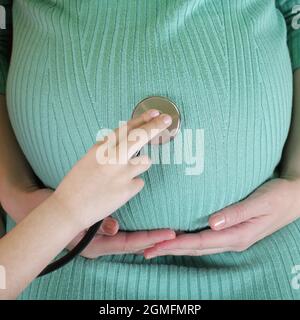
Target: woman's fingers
(207,239)
(236,238)
(130,242)
(109,227)
(186,243)
(186,252)
(254,205)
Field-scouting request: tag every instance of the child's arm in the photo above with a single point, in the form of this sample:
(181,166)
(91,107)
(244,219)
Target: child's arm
(32,244)
(94,188)
(20,192)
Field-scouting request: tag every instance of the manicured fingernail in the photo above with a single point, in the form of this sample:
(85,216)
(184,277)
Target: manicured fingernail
(108,227)
(171,235)
(219,221)
(149,257)
(167,119)
(154,113)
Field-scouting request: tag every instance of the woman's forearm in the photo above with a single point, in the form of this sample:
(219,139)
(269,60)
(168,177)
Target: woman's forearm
(33,243)
(290,162)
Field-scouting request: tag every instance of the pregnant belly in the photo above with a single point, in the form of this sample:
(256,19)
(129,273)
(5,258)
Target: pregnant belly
(65,85)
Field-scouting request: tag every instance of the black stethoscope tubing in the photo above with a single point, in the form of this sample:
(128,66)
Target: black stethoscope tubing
(81,245)
(164,105)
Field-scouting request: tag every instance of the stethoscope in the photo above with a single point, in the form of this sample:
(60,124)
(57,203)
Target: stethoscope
(162,104)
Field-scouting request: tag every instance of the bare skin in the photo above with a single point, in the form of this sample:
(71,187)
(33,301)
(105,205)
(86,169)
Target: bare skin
(271,207)
(93,187)
(20,194)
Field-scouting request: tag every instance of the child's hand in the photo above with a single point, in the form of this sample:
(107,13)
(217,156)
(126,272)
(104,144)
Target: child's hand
(106,177)
(18,202)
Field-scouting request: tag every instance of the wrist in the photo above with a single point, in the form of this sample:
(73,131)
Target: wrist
(68,216)
(294,191)
(289,176)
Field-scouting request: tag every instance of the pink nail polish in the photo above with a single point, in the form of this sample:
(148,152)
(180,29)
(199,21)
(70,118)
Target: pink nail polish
(167,119)
(220,222)
(154,113)
(149,257)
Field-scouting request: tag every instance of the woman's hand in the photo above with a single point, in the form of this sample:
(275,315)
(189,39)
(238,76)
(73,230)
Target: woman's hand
(123,242)
(237,227)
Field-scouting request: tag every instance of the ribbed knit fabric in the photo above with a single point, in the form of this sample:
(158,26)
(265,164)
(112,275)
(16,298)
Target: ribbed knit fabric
(78,66)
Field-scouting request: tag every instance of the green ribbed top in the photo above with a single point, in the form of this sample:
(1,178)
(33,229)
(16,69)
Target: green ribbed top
(79,66)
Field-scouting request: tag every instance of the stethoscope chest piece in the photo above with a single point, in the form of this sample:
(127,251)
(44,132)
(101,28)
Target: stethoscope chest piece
(163,105)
